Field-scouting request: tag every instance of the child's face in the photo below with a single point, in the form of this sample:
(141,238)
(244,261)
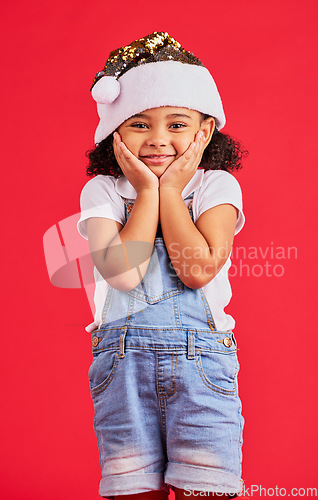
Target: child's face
(165,132)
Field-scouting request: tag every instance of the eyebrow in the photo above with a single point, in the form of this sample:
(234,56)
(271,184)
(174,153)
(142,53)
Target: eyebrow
(174,115)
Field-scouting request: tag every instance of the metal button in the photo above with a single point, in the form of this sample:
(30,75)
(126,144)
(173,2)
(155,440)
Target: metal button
(227,342)
(95,341)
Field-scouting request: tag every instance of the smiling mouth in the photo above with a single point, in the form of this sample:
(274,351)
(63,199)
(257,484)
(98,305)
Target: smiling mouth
(156,160)
(157,156)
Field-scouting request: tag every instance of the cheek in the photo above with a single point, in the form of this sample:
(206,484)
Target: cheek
(183,145)
(132,143)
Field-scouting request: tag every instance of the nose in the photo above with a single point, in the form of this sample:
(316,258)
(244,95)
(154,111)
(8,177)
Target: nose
(156,138)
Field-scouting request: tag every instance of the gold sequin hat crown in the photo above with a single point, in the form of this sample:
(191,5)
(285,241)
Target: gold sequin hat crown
(158,46)
(150,72)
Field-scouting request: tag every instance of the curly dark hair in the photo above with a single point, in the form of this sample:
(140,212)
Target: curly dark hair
(222,153)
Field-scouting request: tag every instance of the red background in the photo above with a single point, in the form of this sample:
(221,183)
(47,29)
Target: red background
(261,54)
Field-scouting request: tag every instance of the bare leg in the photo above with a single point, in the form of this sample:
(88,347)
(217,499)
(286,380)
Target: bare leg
(149,495)
(185,494)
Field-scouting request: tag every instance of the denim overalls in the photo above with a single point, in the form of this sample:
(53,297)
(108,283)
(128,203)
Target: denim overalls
(164,386)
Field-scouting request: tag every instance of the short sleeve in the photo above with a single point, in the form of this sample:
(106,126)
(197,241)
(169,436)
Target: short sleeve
(99,198)
(218,187)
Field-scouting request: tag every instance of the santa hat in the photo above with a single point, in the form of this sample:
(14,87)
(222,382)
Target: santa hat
(148,73)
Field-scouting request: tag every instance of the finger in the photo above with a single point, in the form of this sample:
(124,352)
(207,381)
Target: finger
(115,139)
(117,142)
(116,136)
(128,160)
(191,154)
(122,150)
(200,140)
(197,144)
(195,150)
(122,155)
(185,157)
(198,152)
(200,144)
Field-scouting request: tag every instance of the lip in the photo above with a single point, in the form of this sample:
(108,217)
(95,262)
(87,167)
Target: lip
(156,159)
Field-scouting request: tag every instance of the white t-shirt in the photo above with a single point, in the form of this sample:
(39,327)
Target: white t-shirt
(102,196)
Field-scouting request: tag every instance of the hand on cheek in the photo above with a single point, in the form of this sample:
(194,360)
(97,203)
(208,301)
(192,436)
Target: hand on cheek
(181,170)
(137,173)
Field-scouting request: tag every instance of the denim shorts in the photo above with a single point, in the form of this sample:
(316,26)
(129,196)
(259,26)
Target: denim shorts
(163,381)
(167,411)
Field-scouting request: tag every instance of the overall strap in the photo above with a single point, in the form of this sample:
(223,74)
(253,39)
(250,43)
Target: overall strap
(190,197)
(129,203)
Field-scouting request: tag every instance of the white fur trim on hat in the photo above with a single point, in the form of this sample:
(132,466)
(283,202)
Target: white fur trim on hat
(162,83)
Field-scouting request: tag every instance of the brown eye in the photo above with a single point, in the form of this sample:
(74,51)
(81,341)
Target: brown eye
(178,125)
(138,125)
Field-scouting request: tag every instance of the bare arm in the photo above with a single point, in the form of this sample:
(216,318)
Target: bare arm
(197,251)
(122,253)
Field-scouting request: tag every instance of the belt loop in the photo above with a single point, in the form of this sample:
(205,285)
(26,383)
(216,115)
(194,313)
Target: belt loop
(191,344)
(122,343)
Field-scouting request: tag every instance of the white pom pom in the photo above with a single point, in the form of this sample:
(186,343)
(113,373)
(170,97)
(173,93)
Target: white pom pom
(106,90)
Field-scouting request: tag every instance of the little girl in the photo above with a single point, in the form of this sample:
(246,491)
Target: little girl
(160,215)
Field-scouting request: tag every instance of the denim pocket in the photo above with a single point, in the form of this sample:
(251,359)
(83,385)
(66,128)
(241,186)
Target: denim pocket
(102,370)
(148,292)
(218,370)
